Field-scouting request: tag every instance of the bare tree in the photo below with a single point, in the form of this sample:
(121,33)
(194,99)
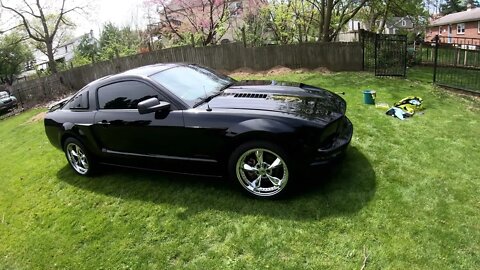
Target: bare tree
(6,28)
(342,10)
(43,23)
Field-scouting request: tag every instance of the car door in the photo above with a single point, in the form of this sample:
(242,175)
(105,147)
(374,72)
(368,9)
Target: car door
(122,130)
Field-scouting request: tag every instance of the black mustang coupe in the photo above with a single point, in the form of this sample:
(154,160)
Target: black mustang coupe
(189,119)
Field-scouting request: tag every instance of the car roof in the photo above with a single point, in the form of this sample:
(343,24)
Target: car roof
(144,71)
(151,69)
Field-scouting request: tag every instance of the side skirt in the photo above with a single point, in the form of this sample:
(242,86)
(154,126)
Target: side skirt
(160,170)
(159,156)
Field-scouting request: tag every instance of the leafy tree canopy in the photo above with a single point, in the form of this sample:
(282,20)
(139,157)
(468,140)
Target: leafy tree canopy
(14,56)
(115,42)
(452,6)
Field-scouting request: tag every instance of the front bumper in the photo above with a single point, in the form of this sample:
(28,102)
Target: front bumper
(338,148)
(8,105)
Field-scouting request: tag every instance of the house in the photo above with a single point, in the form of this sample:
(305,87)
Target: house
(396,24)
(461,27)
(393,25)
(64,53)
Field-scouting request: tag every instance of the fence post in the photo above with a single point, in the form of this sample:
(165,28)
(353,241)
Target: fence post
(244,37)
(19,91)
(192,40)
(421,53)
(435,60)
(406,56)
(376,52)
(362,38)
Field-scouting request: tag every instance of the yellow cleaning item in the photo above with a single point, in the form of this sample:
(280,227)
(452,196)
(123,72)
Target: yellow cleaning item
(410,104)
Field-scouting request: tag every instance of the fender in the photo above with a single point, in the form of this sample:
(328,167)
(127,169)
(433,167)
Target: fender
(82,132)
(259,125)
(263,129)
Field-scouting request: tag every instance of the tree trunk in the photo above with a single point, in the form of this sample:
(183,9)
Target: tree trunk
(384,19)
(8,80)
(371,22)
(51,59)
(327,21)
(300,35)
(321,20)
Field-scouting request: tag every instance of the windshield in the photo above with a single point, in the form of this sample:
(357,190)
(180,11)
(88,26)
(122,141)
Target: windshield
(3,94)
(192,83)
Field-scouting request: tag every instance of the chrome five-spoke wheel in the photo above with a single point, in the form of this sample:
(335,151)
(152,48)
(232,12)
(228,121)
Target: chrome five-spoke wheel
(262,172)
(77,158)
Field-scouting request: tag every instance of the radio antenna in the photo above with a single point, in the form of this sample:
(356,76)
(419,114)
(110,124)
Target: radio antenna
(206,99)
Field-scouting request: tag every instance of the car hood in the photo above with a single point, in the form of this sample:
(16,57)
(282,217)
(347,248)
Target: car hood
(5,99)
(302,100)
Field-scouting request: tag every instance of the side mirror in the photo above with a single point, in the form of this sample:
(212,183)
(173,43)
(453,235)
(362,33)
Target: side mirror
(152,105)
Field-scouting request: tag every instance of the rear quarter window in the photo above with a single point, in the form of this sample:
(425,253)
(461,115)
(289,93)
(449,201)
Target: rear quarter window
(80,101)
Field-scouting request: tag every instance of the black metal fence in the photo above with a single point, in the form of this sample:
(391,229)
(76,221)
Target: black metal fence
(368,40)
(455,65)
(384,54)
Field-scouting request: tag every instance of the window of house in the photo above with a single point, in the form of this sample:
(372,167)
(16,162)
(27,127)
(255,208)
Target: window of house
(404,23)
(478,27)
(461,28)
(124,95)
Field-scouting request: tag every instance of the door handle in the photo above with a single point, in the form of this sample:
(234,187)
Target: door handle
(103,122)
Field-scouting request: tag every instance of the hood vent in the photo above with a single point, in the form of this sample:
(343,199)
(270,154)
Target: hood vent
(249,95)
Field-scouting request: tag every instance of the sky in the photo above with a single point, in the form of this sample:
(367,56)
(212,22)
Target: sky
(99,12)
(119,12)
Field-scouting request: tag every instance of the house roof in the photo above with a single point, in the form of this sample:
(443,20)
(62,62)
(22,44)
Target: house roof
(459,17)
(396,22)
(73,40)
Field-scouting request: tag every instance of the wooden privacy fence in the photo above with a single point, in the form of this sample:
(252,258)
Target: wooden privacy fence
(228,57)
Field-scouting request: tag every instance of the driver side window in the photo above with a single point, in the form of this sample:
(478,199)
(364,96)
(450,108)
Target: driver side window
(124,95)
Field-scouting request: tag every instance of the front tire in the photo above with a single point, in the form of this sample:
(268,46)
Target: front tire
(78,157)
(261,169)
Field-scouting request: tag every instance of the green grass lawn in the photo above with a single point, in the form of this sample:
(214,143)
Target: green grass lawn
(407,193)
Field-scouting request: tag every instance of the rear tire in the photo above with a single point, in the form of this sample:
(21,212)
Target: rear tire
(78,157)
(261,169)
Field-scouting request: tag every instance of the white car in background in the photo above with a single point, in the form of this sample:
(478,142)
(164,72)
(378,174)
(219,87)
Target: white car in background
(7,102)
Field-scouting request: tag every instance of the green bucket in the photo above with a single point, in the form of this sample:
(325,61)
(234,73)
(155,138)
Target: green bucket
(369,97)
